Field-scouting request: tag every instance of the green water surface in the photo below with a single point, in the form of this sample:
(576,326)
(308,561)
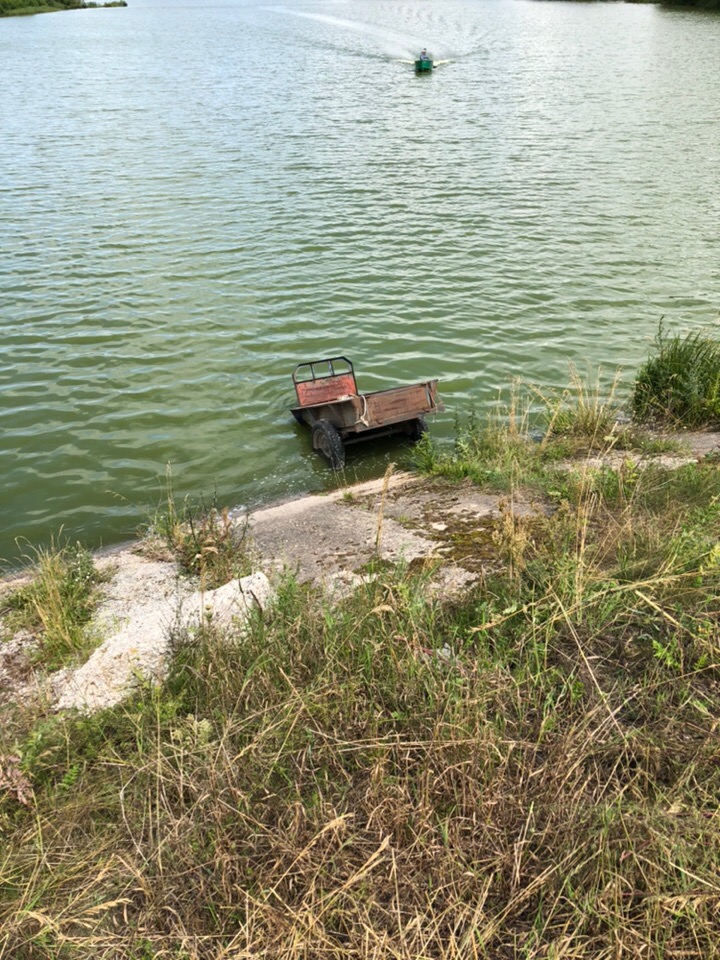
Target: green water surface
(196,196)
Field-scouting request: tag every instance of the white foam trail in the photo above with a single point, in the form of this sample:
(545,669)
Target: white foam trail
(436,63)
(401,45)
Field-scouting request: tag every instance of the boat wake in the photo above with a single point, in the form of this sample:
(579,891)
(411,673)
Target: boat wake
(392,42)
(436,63)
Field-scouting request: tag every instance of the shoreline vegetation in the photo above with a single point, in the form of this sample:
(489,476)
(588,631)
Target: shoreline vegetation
(526,768)
(699,4)
(21,8)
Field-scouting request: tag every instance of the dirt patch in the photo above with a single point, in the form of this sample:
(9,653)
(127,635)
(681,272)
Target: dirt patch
(694,446)
(139,638)
(699,443)
(412,519)
(16,663)
(322,536)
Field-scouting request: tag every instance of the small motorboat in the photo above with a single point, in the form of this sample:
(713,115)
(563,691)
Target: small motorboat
(424,63)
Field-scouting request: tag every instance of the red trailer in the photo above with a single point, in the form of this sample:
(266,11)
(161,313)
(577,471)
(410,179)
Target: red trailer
(338,414)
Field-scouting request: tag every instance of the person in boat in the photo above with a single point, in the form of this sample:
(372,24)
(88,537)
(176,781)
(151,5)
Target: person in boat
(424,54)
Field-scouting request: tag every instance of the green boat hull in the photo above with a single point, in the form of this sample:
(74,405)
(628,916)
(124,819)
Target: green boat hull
(423,66)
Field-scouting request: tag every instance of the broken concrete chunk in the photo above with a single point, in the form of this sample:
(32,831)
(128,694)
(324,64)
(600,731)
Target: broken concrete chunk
(229,603)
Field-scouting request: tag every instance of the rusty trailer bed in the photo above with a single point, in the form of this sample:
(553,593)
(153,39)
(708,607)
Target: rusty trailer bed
(330,403)
(361,412)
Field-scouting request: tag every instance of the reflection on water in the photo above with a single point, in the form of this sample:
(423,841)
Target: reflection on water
(199,196)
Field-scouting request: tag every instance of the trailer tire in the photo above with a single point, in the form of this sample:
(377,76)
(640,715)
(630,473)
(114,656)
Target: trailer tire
(328,441)
(417,429)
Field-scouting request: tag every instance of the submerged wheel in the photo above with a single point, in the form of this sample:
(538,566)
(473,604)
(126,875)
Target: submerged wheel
(328,441)
(417,429)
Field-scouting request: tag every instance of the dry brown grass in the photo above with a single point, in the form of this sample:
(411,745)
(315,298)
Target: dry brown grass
(337,788)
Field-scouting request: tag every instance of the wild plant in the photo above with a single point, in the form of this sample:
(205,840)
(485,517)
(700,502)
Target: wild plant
(204,538)
(586,411)
(58,602)
(680,382)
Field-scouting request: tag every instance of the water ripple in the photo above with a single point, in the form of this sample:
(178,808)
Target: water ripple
(224,190)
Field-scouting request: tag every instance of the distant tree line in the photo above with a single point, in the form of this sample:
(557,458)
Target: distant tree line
(17,8)
(705,4)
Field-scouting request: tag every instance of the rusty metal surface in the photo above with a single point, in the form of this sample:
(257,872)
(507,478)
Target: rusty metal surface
(343,414)
(325,389)
(401,404)
(335,398)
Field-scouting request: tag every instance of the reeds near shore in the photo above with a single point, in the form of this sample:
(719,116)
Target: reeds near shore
(680,382)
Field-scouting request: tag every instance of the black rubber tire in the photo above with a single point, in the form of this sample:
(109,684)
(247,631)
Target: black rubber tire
(328,441)
(417,429)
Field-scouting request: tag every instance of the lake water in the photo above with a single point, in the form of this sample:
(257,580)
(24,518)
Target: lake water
(194,196)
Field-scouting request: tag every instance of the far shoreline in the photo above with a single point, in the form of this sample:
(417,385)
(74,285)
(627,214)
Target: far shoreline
(26,8)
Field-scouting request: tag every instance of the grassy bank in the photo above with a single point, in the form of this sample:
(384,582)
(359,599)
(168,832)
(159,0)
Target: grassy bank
(530,771)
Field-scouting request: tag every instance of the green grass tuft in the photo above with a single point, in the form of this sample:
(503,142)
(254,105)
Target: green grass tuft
(203,538)
(57,603)
(680,383)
